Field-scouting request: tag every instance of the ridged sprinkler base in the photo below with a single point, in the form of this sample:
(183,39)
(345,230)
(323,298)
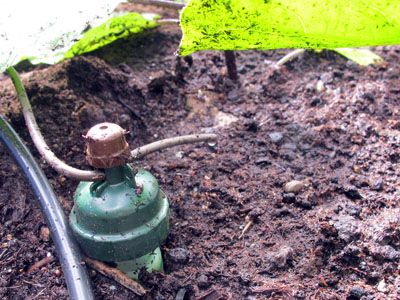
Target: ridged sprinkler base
(152,262)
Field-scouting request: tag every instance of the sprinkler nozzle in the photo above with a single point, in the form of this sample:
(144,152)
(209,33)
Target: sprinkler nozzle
(106,146)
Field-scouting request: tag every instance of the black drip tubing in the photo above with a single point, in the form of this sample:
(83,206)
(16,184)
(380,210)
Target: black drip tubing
(68,251)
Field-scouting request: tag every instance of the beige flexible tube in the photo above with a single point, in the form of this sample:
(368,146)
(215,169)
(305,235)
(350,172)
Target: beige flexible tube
(87,175)
(37,138)
(171,142)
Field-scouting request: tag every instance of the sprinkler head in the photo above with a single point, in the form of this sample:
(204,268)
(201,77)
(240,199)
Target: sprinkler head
(106,146)
(125,217)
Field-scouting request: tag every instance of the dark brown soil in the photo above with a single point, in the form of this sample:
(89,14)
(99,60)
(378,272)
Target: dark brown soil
(321,120)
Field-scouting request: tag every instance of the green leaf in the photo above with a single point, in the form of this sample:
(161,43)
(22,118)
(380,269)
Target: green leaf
(44,30)
(363,57)
(272,24)
(110,31)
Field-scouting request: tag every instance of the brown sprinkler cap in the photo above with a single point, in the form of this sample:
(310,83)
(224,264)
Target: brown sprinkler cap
(106,146)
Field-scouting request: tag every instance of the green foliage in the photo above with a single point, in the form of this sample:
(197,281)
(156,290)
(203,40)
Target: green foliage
(110,31)
(272,24)
(49,35)
(43,32)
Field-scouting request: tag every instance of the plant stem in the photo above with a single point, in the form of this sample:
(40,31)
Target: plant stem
(230,60)
(161,3)
(171,142)
(38,139)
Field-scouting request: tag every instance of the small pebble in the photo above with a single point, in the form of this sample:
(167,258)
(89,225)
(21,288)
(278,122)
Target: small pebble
(381,287)
(377,185)
(289,197)
(276,137)
(293,186)
(203,282)
(179,154)
(178,255)
(357,169)
(44,233)
(347,228)
(357,292)
(281,257)
(352,193)
(319,86)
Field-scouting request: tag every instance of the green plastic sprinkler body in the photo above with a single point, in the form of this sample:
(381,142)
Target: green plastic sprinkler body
(124,218)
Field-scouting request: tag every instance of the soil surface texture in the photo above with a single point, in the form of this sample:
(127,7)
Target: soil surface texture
(299,199)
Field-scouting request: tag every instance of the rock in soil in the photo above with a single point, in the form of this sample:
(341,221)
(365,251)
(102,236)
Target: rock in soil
(377,185)
(385,253)
(276,137)
(45,233)
(356,293)
(293,186)
(347,227)
(179,255)
(280,258)
(289,197)
(352,193)
(203,282)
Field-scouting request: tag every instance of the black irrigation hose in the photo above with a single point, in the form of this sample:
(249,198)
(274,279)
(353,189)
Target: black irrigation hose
(68,252)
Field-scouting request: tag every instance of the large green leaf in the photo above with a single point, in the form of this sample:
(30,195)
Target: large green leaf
(272,24)
(44,30)
(110,31)
(47,32)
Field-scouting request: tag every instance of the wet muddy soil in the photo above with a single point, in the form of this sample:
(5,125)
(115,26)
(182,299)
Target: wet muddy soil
(299,199)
